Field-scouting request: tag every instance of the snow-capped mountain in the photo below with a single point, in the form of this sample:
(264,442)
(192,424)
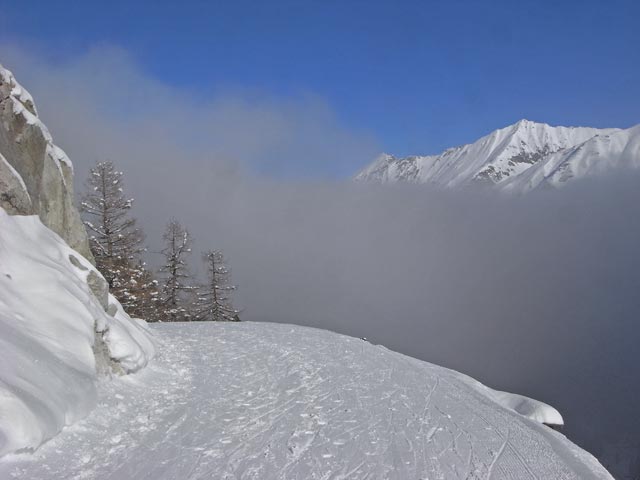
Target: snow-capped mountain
(518,158)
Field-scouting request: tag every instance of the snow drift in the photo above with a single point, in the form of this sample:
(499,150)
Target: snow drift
(530,408)
(54,335)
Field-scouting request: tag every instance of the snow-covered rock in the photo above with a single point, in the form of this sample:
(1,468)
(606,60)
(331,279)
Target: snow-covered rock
(45,172)
(49,350)
(518,158)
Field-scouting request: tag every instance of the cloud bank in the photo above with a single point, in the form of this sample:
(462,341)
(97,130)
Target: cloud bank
(535,294)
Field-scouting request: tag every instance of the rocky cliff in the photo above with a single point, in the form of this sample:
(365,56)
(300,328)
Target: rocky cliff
(36,176)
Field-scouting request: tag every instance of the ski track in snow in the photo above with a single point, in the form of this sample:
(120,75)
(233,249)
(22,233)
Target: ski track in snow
(269,401)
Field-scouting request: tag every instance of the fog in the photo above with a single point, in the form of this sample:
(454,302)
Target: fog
(538,294)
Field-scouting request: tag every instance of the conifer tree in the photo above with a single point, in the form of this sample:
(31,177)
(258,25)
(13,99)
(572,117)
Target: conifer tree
(115,240)
(176,288)
(214,298)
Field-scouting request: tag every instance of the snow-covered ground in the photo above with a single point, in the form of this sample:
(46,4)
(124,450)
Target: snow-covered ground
(270,401)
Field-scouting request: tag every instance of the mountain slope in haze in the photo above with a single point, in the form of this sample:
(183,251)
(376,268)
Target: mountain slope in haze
(518,158)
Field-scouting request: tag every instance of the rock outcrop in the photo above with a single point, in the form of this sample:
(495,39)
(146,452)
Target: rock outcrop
(36,176)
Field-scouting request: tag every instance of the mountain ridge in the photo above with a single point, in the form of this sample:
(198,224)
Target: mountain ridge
(518,158)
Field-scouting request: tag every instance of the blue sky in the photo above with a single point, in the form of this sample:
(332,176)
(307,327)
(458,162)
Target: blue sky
(417,76)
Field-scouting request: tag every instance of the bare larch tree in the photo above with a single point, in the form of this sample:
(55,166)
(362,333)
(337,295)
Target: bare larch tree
(176,288)
(214,298)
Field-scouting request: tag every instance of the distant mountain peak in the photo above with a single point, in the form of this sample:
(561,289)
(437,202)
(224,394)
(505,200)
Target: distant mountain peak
(518,158)
(523,122)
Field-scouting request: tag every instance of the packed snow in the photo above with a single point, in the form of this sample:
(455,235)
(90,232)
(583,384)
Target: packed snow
(49,347)
(274,401)
(517,158)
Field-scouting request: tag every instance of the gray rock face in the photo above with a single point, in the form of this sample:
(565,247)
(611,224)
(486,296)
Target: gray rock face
(97,284)
(36,176)
(105,365)
(14,197)
(99,288)
(76,263)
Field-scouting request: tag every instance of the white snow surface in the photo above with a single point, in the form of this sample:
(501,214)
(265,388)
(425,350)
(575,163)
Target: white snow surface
(518,158)
(48,319)
(274,401)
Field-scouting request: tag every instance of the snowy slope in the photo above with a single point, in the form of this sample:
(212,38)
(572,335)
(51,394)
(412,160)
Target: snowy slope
(599,154)
(518,158)
(268,401)
(54,334)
